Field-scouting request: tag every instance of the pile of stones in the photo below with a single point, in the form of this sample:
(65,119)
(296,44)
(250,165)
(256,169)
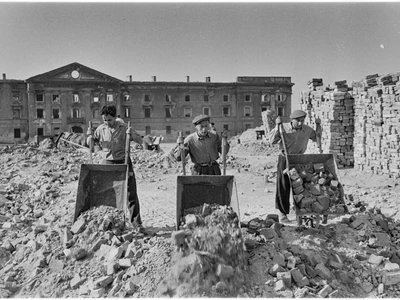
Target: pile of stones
(316,189)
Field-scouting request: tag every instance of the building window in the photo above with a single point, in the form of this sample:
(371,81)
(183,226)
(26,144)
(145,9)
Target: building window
(56,131)
(148,130)
(279,98)
(17,133)
(75,113)
(56,98)
(280,111)
(127,97)
(247,98)
(187,112)
(226,98)
(15,96)
(247,111)
(40,131)
(147,112)
(39,113)
(39,97)
(168,98)
(96,114)
(110,98)
(168,129)
(16,113)
(206,98)
(168,113)
(127,112)
(247,126)
(187,98)
(76,98)
(147,98)
(96,99)
(226,127)
(226,111)
(56,113)
(206,111)
(264,98)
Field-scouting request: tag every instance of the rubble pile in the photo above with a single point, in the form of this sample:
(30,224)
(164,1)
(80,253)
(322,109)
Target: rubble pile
(333,107)
(377,136)
(316,189)
(355,257)
(44,254)
(210,258)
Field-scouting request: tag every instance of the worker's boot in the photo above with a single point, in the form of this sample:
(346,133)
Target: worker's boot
(284,219)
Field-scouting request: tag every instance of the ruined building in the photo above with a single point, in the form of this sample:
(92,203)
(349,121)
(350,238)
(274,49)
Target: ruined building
(67,98)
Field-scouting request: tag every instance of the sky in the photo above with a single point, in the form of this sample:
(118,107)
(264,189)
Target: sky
(303,40)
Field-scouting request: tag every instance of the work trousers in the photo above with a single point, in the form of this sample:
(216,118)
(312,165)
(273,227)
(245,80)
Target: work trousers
(133,200)
(212,169)
(282,197)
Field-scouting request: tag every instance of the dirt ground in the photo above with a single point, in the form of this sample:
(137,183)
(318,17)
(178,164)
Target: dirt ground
(255,194)
(37,199)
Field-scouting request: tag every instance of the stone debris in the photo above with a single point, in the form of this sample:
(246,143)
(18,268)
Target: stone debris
(43,253)
(316,189)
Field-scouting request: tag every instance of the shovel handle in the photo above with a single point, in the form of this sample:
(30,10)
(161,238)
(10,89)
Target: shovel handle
(182,148)
(127,144)
(91,143)
(282,134)
(223,146)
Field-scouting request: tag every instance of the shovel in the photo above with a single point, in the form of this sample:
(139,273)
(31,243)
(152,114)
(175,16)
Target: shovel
(281,132)
(223,146)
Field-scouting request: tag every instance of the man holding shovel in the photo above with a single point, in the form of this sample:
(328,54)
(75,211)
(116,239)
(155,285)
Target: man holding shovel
(203,146)
(295,140)
(111,137)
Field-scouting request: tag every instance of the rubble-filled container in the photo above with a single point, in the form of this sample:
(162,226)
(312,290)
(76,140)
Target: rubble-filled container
(194,191)
(316,187)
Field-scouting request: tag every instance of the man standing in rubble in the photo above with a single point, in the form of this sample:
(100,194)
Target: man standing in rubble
(111,137)
(203,146)
(296,136)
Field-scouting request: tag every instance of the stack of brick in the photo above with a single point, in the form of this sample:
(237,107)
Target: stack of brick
(377,132)
(334,108)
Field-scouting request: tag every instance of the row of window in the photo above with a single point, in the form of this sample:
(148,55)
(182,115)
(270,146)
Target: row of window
(187,112)
(168,98)
(75,112)
(168,130)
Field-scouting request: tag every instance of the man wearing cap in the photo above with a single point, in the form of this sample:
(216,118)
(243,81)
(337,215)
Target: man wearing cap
(203,146)
(296,136)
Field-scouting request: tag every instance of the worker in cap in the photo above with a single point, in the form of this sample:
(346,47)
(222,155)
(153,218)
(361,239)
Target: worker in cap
(203,146)
(296,136)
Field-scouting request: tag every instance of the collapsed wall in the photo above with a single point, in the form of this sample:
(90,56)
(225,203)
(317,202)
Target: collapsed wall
(334,108)
(360,124)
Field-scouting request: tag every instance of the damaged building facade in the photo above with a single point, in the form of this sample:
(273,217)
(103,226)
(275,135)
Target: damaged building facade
(68,98)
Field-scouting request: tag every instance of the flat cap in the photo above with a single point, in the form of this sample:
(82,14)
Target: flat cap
(298,114)
(200,119)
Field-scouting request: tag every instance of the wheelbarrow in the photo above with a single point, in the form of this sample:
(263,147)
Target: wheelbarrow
(196,190)
(103,184)
(329,162)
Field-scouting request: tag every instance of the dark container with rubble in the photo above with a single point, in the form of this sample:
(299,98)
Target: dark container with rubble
(316,186)
(101,184)
(196,190)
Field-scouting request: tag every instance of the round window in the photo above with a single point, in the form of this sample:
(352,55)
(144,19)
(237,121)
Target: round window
(75,74)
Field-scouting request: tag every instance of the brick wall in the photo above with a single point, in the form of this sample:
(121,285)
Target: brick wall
(334,107)
(360,124)
(377,131)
